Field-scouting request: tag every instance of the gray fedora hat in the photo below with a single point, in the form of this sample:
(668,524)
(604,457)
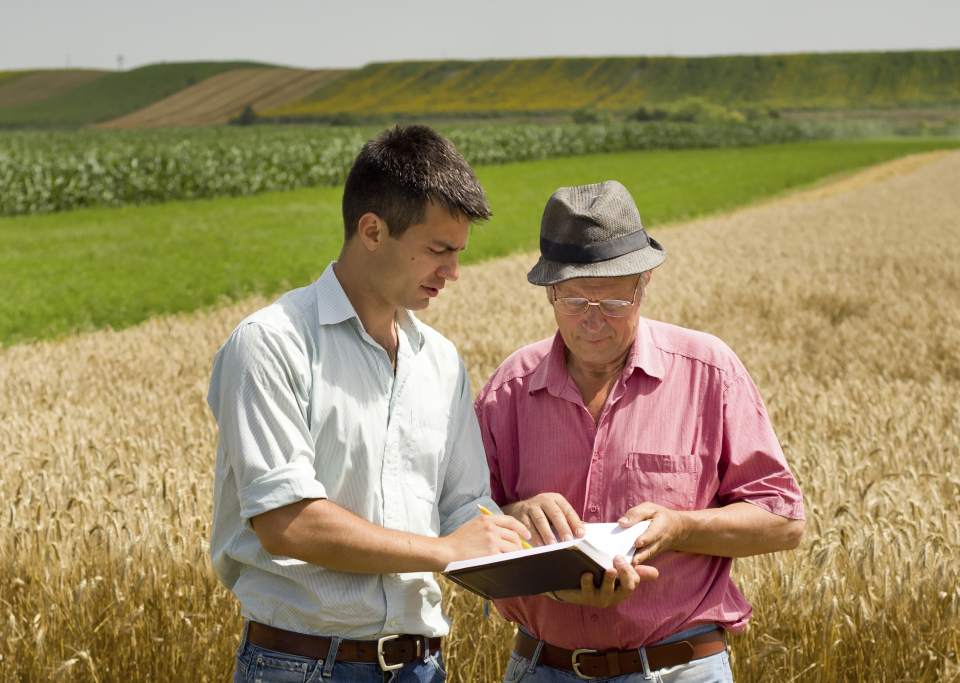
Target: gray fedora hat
(593,231)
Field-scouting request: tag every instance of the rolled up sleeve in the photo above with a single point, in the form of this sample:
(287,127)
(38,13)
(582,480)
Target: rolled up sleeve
(466,482)
(260,404)
(752,466)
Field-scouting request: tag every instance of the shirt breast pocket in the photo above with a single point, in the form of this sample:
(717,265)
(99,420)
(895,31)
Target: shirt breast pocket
(667,480)
(425,460)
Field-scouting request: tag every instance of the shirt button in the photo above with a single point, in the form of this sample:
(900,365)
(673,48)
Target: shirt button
(593,617)
(596,456)
(593,508)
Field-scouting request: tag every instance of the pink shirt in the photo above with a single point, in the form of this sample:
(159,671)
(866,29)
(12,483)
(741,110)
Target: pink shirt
(683,427)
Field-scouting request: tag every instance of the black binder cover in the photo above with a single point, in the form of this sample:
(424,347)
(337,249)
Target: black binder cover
(529,575)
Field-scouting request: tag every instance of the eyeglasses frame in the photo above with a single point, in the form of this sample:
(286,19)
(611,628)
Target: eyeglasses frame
(633,302)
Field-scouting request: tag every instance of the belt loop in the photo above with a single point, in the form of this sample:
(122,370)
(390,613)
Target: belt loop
(647,676)
(331,656)
(536,657)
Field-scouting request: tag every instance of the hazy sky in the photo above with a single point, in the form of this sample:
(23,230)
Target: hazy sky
(350,33)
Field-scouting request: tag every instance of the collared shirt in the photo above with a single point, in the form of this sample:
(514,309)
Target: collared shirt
(308,406)
(684,427)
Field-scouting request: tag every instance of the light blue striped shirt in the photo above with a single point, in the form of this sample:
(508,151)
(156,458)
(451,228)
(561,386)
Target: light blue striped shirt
(308,406)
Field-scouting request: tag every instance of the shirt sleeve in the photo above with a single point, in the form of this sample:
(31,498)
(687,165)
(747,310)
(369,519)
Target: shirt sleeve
(752,466)
(466,482)
(259,397)
(490,446)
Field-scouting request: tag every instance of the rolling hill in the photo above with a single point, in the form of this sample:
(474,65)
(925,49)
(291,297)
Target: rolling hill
(30,86)
(219,98)
(622,84)
(113,95)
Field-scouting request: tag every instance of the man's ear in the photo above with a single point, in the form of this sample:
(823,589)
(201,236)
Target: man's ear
(372,231)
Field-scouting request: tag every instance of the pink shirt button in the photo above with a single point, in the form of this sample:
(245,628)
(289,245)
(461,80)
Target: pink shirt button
(593,508)
(593,617)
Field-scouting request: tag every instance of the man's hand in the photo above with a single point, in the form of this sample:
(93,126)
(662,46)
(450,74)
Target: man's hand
(539,512)
(608,595)
(665,530)
(484,535)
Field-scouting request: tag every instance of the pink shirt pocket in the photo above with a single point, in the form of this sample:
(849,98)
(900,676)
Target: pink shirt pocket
(667,480)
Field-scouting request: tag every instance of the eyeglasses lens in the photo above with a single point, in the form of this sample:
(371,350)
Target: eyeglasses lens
(577,306)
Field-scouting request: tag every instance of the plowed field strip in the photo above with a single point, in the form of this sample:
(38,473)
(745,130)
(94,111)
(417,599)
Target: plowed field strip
(222,97)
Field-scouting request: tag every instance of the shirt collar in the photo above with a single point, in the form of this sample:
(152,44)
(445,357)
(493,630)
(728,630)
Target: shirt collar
(333,307)
(551,373)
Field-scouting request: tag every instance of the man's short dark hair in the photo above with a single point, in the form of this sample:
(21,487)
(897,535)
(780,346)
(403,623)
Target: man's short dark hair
(400,170)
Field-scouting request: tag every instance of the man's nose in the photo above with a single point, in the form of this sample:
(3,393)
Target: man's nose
(450,270)
(593,319)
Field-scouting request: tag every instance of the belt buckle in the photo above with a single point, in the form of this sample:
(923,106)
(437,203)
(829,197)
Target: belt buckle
(383,665)
(576,664)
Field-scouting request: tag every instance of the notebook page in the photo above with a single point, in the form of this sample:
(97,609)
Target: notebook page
(613,539)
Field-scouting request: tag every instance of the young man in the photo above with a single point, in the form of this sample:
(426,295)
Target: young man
(350,463)
(621,419)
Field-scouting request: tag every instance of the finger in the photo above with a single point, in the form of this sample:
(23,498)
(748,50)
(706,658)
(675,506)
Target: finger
(609,584)
(645,572)
(586,584)
(573,519)
(509,534)
(559,521)
(542,525)
(514,525)
(650,551)
(628,575)
(637,514)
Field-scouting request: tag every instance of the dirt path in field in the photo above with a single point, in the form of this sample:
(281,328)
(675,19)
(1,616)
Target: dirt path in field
(39,85)
(220,98)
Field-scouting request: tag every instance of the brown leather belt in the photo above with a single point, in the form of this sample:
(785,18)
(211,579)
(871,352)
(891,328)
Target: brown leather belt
(390,652)
(589,664)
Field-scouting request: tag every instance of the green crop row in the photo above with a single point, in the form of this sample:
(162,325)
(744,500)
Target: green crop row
(43,173)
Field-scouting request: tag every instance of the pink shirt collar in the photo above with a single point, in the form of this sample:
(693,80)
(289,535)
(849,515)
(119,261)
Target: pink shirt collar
(551,374)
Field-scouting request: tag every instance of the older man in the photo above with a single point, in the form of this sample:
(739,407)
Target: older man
(622,419)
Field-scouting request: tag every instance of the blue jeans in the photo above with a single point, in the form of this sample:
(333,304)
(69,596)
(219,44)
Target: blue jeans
(256,665)
(712,669)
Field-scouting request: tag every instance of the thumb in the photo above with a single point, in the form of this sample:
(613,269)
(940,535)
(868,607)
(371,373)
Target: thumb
(638,514)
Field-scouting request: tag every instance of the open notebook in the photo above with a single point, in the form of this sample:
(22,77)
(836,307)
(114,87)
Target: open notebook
(547,568)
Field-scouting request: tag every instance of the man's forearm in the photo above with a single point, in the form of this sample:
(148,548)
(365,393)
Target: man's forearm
(323,533)
(736,530)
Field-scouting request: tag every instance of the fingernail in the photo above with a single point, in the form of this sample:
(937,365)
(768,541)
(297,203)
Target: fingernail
(623,520)
(567,537)
(619,559)
(581,531)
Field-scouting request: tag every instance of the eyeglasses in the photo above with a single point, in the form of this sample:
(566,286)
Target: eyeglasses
(614,308)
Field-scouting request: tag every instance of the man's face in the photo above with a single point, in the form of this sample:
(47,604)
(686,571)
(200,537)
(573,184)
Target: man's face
(593,338)
(414,268)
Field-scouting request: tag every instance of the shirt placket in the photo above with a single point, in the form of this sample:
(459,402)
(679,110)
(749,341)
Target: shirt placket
(394,512)
(595,503)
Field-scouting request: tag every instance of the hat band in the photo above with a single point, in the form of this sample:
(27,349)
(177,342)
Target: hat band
(590,253)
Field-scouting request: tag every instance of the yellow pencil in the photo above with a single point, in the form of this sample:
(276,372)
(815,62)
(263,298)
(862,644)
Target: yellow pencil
(487,512)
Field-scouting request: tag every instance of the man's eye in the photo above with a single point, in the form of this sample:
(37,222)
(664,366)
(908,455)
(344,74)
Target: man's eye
(435,252)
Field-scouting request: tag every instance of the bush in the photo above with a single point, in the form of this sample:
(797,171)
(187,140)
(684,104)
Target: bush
(587,115)
(346,118)
(248,117)
(649,114)
(699,110)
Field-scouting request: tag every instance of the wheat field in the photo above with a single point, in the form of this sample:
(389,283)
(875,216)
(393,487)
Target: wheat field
(844,305)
